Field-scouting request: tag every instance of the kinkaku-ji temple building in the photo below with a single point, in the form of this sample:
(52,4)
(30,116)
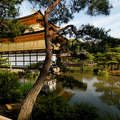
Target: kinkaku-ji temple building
(29,47)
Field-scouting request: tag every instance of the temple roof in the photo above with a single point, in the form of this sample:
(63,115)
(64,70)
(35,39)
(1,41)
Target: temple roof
(36,17)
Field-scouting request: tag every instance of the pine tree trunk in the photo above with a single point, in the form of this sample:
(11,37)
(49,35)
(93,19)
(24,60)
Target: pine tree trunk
(104,67)
(108,66)
(118,66)
(28,103)
(112,66)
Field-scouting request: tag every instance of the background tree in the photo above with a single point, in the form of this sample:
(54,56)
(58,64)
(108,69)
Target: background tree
(114,57)
(110,58)
(100,59)
(90,57)
(4,62)
(58,11)
(9,27)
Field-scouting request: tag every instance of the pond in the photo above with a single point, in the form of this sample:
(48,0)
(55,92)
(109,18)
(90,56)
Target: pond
(103,92)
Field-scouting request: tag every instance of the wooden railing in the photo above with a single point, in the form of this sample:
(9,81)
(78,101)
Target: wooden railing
(28,45)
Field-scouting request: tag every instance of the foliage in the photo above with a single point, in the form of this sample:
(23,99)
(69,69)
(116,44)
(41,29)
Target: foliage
(111,57)
(31,75)
(110,117)
(90,32)
(70,81)
(57,108)
(9,87)
(28,74)
(100,59)
(33,66)
(62,67)
(103,73)
(21,74)
(64,11)
(9,8)
(10,28)
(25,89)
(86,111)
(117,104)
(28,70)
(4,62)
(90,57)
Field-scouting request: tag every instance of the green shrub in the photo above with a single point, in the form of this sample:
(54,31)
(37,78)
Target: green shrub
(62,67)
(103,73)
(29,75)
(9,87)
(37,74)
(21,74)
(25,88)
(33,66)
(56,108)
(110,117)
(86,111)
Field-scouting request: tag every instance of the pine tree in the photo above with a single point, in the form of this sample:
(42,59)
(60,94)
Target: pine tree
(58,11)
(4,62)
(9,26)
(109,58)
(100,59)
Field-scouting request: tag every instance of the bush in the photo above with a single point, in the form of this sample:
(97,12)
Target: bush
(56,108)
(25,89)
(103,73)
(62,67)
(21,74)
(28,74)
(9,87)
(86,111)
(33,66)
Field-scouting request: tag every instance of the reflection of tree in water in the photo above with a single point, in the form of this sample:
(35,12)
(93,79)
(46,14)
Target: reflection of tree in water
(88,77)
(78,76)
(110,87)
(71,82)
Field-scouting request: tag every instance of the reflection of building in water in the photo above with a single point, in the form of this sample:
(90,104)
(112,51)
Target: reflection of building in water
(66,94)
(57,88)
(49,85)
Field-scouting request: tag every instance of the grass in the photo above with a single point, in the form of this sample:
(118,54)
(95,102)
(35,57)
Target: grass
(103,73)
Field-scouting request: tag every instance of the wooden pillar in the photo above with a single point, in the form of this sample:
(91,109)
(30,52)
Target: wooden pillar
(36,56)
(9,59)
(30,57)
(15,59)
(23,59)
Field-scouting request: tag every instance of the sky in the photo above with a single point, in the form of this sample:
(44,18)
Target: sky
(111,22)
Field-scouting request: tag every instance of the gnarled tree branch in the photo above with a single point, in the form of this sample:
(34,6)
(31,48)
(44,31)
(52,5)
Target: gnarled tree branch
(62,29)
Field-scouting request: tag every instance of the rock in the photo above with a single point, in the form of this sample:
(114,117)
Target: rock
(4,118)
(95,70)
(13,106)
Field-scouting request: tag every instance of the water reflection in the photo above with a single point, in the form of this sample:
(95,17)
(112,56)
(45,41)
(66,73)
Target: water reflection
(103,92)
(77,76)
(49,85)
(110,89)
